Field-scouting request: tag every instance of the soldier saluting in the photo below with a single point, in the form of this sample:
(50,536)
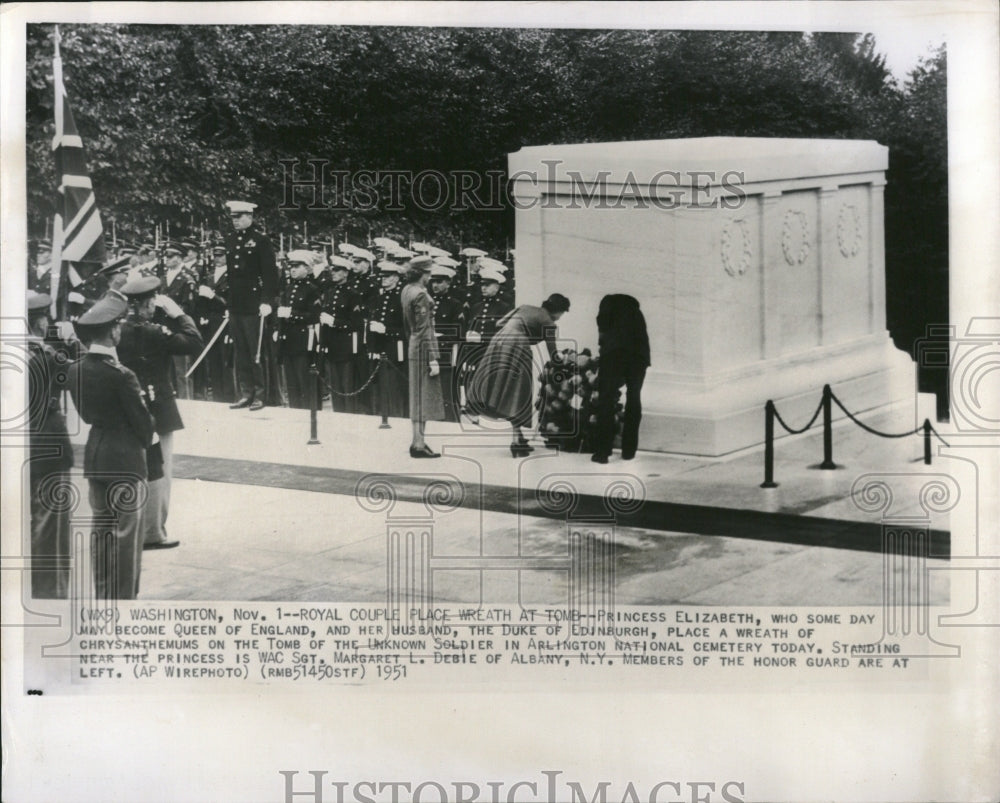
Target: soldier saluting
(253,288)
(107,396)
(148,349)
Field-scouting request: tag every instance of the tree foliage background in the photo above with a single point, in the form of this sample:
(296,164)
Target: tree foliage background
(176,119)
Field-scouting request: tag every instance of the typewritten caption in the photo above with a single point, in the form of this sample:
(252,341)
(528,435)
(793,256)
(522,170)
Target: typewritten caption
(310,643)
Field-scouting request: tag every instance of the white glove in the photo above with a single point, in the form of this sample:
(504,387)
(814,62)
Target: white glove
(156,438)
(206,292)
(435,368)
(375,326)
(265,310)
(65,330)
(326,319)
(474,337)
(284,312)
(75,298)
(169,306)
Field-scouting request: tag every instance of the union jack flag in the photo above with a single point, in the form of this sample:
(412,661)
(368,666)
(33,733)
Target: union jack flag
(78,232)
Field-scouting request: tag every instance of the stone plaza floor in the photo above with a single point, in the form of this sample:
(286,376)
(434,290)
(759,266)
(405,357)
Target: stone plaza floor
(262,515)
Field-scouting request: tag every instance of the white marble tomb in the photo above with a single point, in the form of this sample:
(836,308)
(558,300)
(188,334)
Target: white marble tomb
(759,265)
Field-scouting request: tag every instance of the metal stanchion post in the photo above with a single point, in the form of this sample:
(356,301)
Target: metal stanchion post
(927,441)
(316,395)
(383,401)
(769,446)
(827,429)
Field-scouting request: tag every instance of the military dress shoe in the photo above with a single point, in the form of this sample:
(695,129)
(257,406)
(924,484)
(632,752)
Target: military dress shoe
(257,405)
(599,458)
(244,402)
(628,454)
(423,451)
(161,544)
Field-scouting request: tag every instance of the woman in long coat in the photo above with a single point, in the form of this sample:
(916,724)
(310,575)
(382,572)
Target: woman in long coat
(502,385)
(426,400)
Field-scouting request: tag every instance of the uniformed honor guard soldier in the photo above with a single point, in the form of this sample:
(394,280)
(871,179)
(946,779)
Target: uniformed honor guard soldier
(363,283)
(466,286)
(385,341)
(482,321)
(341,326)
(253,287)
(214,377)
(180,283)
(147,349)
(107,396)
(449,323)
(298,313)
(51,457)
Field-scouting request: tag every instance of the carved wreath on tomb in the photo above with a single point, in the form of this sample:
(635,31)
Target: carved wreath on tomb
(795,237)
(849,230)
(735,244)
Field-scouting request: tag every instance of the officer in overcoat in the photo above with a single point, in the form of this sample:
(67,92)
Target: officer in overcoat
(148,348)
(107,396)
(253,289)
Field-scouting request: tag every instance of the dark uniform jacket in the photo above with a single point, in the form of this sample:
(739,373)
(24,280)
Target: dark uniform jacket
(253,276)
(466,291)
(362,284)
(183,288)
(302,295)
(50,448)
(484,315)
(147,348)
(449,325)
(385,307)
(107,396)
(341,341)
(209,311)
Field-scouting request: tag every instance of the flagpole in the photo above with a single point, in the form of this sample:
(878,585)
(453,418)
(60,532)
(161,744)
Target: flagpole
(57,309)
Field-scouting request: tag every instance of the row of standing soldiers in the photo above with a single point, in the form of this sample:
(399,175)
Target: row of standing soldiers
(342,317)
(348,325)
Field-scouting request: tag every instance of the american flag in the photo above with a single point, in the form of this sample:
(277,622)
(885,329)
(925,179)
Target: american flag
(78,236)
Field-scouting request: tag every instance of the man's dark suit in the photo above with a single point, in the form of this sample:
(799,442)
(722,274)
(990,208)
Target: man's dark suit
(624,358)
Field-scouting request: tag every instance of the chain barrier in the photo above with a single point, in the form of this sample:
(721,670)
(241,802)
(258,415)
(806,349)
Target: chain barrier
(789,429)
(771,415)
(867,428)
(357,392)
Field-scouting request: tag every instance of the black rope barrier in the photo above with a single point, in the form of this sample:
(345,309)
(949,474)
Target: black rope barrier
(867,428)
(771,414)
(789,429)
